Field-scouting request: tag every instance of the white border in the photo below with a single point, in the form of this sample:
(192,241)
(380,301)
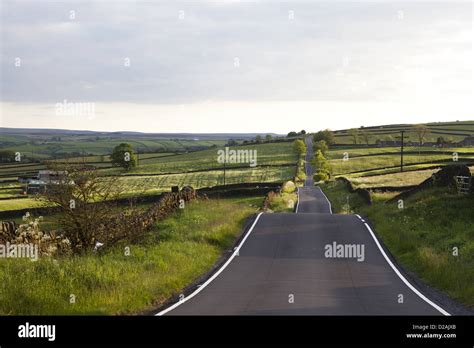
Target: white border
(214,276)
(397,272)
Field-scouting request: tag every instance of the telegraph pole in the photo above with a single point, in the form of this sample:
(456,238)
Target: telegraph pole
(225,161)
(401,151)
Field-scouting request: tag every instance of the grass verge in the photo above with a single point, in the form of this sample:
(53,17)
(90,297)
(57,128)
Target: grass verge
(171,256)
(423,234)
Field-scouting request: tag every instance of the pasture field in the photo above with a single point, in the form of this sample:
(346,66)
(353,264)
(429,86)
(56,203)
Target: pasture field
(49,149)
(338,152)
(452,131)
(143,185)
(365,163)
(8,170)
(20,203)
(396,179)
(267,154)
(158,172)
(407,178)
(160,183)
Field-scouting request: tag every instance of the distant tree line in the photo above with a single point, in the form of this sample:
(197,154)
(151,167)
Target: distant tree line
(294,134)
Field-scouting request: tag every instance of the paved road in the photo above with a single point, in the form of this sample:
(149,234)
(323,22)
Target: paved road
(283,268)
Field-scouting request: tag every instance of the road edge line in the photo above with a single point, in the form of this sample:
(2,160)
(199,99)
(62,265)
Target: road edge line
(297,203)
(399,274)
(214,276)
(330,207)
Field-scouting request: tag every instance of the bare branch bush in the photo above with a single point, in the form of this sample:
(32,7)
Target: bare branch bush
(91,204)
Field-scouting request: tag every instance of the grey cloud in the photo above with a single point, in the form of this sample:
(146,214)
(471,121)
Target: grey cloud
(188,60)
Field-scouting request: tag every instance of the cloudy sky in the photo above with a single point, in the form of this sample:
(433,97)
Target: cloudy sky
(234,66)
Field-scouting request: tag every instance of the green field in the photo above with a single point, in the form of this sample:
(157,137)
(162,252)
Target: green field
(85,146)
(158,172)
(337,153)
(267,154)
(360,164)
(364,161)
(452,131)
(211,178)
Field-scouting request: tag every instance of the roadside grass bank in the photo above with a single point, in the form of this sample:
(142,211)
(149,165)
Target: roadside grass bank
(172,255)
(283,203)
(422,235)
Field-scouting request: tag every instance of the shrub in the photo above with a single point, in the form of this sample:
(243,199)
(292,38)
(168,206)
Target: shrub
(321,176)
(299,147)
(288,187)
(321,162)
(279,201)
(325,135)
(322,146)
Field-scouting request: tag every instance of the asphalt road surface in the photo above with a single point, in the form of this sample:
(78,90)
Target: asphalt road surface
(284,266)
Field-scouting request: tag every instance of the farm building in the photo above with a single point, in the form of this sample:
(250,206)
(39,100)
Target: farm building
(51,176)
(40,183)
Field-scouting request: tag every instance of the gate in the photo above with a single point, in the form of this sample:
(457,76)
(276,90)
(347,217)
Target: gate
(463,183)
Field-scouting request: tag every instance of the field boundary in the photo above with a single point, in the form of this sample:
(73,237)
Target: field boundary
(240,189)
(436,164)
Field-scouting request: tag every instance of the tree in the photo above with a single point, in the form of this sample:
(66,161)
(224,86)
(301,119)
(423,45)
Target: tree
(421,131)
(231,142)
(299,147)
(321,146)
(292,135)
(7,156)
(303,132)
(88,205)
(258,139)
(325,135)
(268,138)
(321,162)
(123,156)
(354,133)
(323,169)
(366,136)
(75,192)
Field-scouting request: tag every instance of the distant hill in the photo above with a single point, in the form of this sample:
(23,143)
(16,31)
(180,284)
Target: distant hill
(39,144)
(121,134)
(449,131)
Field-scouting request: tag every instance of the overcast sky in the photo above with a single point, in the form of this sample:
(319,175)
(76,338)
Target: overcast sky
(235,66)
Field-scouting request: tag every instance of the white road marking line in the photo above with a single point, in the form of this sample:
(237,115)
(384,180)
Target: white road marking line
(214,276)
(298,195)
(407,283)
(330,209)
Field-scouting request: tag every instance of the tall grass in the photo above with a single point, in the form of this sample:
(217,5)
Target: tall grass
(177,251)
